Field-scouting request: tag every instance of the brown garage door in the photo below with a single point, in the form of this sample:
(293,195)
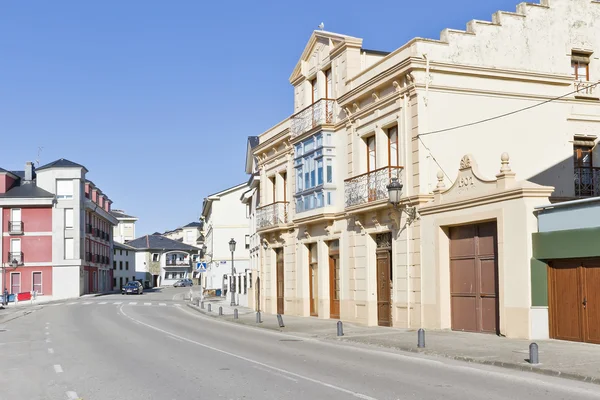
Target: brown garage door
(474,278)
(574,302)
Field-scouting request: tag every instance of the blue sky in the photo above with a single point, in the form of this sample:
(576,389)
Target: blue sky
(157,98)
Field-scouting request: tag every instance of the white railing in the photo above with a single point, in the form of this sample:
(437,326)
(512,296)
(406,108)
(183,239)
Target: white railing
(272,215)
(587,89)
(320,113)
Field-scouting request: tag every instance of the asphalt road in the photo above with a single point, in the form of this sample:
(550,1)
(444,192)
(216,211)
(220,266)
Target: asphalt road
(157,348)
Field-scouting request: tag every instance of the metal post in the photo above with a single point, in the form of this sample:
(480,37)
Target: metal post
(232,284)
(258,320)
(209,307)
(340,328)
(235,314)
(420,338)
(533,354)
(280,320)
(220,310)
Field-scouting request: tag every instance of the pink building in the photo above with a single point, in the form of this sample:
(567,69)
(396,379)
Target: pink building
(56,232)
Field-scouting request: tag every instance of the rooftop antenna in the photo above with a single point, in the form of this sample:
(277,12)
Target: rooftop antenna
(321,26)
(37,161)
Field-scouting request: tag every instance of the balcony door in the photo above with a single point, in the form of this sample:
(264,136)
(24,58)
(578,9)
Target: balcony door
(585,184)
(15,220)
(15,250)
(15,282)
(334,279)
(371,166)
(313,276)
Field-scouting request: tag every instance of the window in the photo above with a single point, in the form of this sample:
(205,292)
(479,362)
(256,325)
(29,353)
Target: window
(126,252)
(585,184)
(247,241)
(328,85)
(580,64)
(120,264)
(68,218)
(329,166)
(114,265)
(126,281)
(37,282)
(155,257)
(114,282)
(371,154)
(314,90)
(120,252)
(127,265)
(69,249)
(15,282)
(190,236)
(312,172)
(64,189)
(115,252)
(393,146)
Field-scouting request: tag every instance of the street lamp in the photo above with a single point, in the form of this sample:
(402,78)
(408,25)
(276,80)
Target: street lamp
(232,284)
(14,264)
(394,194)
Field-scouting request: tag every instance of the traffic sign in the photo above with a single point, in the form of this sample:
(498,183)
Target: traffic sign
(201,267)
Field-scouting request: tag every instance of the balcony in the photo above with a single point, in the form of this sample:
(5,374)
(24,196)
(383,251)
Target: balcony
(88,228)
(587,181)
(587,90)
(370,187)
(272,215)
(15,256)
(88,256)
(321,112)
(178,263)
(15,227)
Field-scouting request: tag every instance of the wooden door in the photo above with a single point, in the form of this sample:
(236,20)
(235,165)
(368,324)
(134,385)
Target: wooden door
(565,303)
(334,286)
(280,286)
(313,279)
(474,278)
(591,302)
(384,288)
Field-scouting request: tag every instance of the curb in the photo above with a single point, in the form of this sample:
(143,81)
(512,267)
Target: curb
(502,364)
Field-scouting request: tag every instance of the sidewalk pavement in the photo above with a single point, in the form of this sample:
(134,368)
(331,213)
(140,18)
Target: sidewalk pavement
(578,361)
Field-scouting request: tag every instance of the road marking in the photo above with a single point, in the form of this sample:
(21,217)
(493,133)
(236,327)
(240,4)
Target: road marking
(72,396)
(70,304)
(276,374)
(46,328)
(162,304)
(58,369)
(51,351)
(47,333)
(132,303)
(102,302)
(48,340)
(177,305)
(249,360)
(47,323)
(147,304)
(174,338)
(87,302)
(118,302)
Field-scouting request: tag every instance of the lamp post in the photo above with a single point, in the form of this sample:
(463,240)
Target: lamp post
(394,195)
(203,257)
(232,282)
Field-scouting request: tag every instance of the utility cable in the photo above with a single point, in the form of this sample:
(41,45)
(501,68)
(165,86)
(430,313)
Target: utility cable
(508,113)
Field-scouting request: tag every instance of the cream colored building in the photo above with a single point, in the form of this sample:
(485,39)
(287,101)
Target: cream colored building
(125,229)
(437,115)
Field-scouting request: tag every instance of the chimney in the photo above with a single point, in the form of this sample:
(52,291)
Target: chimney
(29,171)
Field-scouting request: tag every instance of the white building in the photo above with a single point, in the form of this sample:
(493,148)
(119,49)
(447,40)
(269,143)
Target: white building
(125,229)
(225,218)
(188,234)
(160,261)
(123,265)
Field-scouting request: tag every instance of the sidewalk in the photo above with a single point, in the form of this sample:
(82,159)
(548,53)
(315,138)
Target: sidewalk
(571,360)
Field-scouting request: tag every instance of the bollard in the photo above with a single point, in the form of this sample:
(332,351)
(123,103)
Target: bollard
(258,320)
(235,314)
(533,354)
(202,305)
(220,310)
(421,338)
(280,320)
(209,307)
(340,328)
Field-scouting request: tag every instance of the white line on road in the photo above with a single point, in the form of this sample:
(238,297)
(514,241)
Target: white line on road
(174,338)
(177,305)
(47,333)
(46,328)
(72,395)
(162,304)
(50,350)
(47,323)
(132,303)
(48,340)
(147,304)
(70,304)
(118,302)
(102,302)
(276,373)
(280,370)
(87,302)
(58,369)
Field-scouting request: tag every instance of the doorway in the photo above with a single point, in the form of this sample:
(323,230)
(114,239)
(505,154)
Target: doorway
(474,278)
(280,282)
(334,279)
(313,279)
(574,300)
(384,279)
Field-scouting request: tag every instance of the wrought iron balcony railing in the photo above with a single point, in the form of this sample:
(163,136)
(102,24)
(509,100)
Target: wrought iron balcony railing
(272,215)
(183,263)
(587,181)
(319,113)
(587,89)
(15,257)
(371,186)
(15,227)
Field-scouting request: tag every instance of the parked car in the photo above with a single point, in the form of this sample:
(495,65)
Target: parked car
(132,287)
(183,283)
